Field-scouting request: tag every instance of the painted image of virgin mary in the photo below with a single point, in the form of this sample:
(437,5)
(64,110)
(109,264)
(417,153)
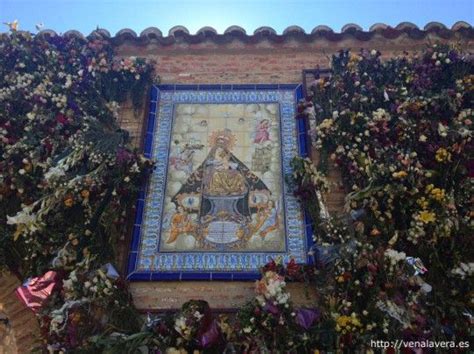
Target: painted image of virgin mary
(224,178)
(221,175)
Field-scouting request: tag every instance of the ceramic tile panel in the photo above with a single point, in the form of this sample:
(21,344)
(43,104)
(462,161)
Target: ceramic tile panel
(217,202)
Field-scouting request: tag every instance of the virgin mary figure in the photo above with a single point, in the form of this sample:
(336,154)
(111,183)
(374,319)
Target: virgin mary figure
(224,182)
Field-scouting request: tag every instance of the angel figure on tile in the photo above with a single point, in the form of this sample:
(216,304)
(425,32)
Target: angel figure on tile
(262,134)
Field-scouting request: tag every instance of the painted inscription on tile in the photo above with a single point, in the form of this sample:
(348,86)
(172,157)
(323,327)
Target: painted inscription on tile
(224,179)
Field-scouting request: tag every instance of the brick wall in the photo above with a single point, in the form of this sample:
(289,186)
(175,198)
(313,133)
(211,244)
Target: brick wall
(262,62)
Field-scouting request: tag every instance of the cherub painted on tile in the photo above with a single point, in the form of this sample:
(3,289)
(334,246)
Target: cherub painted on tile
(272,220)
(262,134)
(181,223)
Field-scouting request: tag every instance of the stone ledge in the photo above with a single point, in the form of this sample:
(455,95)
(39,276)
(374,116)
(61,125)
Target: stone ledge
(162,296)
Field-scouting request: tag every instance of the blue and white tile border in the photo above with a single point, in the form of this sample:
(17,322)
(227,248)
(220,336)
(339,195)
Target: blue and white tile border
(145,262)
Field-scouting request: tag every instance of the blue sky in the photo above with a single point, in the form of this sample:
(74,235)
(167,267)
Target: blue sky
(113,15)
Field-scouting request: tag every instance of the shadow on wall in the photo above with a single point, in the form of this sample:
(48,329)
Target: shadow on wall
(7,338)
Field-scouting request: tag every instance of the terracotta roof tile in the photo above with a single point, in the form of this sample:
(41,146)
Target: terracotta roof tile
(262,33)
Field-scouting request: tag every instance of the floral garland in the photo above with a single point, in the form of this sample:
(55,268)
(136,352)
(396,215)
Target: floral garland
(67,179)
(399,266)
(269,323)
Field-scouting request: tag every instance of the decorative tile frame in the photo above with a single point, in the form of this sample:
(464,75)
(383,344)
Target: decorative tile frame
(145,262)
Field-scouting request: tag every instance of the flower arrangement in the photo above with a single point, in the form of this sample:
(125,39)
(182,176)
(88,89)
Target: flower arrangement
(399,264)
(67,179)
(271,322)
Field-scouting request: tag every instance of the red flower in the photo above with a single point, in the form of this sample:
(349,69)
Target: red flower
(270,267)
(372,268)
(62,119)
(292,268)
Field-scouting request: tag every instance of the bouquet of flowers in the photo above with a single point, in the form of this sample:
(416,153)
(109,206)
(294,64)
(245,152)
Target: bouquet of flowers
(401,133)
(271,321)
(68,176)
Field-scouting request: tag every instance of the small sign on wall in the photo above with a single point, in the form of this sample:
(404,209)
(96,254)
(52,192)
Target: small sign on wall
(217,207)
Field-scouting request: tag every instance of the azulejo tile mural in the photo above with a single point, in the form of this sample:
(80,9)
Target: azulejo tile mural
(217,206)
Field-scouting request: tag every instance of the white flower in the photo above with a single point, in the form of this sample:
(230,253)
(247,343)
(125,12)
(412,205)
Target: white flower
(442,130)
(25,220)
(55,322)
(73,276)
(135,168)
(198,315)
(394,256)
(463,270)
(373,52)
(54,172)
(464,132)
(68,284)
(180,324)
(380,114)
(247,329)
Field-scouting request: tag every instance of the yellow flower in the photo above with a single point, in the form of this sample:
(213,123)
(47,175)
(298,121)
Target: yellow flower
(327,123)
(343,320)
(422,202)
(354,58)
(427,216)
(442,155)
(340,279)
(347,323)
(400,174)
(437,194)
